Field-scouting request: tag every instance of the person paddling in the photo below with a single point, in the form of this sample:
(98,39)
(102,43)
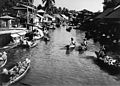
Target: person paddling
(72,42)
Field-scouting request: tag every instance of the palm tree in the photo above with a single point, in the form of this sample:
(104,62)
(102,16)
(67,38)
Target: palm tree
(48,4)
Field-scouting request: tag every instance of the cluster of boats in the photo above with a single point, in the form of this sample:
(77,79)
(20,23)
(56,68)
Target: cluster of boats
(28,39)
(105,59)
(15,73)
(108,60)
(31,39)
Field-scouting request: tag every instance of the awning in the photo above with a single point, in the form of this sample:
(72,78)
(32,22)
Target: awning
(6,17)
(14,35)
(114,15)
(105,13)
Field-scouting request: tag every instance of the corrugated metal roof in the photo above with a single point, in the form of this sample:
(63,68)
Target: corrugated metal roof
(105,13)
(115,14)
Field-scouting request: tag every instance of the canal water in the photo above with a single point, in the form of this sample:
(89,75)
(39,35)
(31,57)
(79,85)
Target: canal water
(52,66)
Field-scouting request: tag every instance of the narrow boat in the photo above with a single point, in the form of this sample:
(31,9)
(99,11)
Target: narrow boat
(69,29)
(108,60)
(3,59)
(72,46)
(19,74)
(9,46)
(81,48)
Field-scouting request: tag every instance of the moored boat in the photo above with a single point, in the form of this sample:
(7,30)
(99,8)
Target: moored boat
(18,72)
(72,46)
(108,60)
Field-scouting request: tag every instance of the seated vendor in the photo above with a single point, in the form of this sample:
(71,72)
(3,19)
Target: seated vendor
(102,51)
(72,42)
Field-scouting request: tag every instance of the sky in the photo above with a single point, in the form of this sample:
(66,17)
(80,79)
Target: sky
(91,5)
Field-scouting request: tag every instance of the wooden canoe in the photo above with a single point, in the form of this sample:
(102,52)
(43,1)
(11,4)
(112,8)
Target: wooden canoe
(17,78)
